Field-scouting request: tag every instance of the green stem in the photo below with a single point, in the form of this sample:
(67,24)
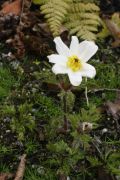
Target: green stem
(65,112)
(86,93)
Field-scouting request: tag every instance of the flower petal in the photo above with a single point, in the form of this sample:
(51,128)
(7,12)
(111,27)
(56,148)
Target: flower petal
(75,78)
(61,48)
(87,49)
(88,71)
(74,45)
(58,59)
(58,69)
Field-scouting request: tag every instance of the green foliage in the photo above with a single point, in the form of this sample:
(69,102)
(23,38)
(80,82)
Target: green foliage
(6,82)
(72,149)
(81,141)
(39,173)
(107,77)
(32,174)
(83,20)
(4,168)
(59,147)
(39,1)
(4,150)
(21,118)
(46,107)
(94,161)
(91,115)
(79,17)
(55,12)
(46,75)
(30,146)
(61,150)
(70,100)
(113,162)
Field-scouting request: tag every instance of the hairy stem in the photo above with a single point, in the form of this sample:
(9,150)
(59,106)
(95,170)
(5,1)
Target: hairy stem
(86,93)
(65,111)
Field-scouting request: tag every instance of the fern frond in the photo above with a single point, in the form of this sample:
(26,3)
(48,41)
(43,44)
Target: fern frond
(39,1)
(84,32)
(90,22)
(55,12)
(83,20)
(86,35)
(77,7)
(89,15)
(79,17)
(86,15)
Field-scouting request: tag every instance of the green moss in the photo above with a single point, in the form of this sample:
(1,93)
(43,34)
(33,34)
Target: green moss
(21,119)
(7,81)
(39,173)
(106,77)
(5,150)
(4,168)
(31,146)
(46,107)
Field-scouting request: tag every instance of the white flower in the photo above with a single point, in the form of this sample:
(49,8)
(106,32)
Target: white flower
(73,60)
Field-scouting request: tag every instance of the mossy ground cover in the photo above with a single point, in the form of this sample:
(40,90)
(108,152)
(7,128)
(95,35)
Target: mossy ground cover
(32,116)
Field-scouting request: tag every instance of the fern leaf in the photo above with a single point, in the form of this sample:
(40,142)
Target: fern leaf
(83,20)
(39,1)
(55,12)
(79,17)
(77,7)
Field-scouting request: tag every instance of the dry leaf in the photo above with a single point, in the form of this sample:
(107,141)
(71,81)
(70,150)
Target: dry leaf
(114,30)
(102,174)
(62,177)
(14,8)
(85,127)
(6,176)
(113,109)
(21,168)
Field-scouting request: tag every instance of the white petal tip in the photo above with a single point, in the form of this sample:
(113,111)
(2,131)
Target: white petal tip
(54,70)
(74,37)
(75,78)
(50,58)
(93,74)
(57,38)
(76,84)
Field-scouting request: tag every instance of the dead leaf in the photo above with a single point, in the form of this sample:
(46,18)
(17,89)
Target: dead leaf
(23,29)
(113,109)
(114,30)
(17,43)
(85,127)
(13,7)
(42,26)
(6,176)
(21,168)
(102,174)
(41,134)
(36,44)
(62,177)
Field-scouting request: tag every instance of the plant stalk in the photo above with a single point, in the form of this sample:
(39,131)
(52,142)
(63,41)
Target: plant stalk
(65,112)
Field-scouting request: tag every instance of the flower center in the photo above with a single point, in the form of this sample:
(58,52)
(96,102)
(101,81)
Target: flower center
(74,63)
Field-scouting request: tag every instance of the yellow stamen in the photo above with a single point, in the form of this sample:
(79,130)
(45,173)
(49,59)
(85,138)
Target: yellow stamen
(74,63)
